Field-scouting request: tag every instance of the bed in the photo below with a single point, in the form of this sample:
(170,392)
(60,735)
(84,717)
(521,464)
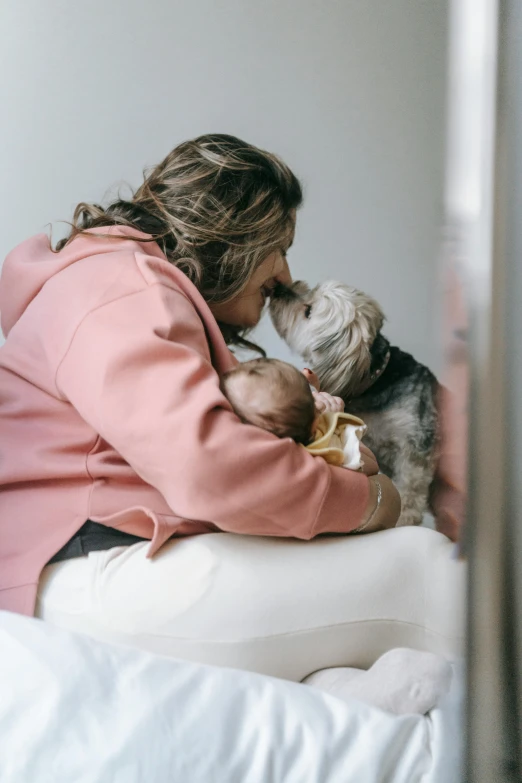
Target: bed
(76,710)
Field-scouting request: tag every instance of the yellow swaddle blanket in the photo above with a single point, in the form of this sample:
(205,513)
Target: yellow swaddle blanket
(337,437)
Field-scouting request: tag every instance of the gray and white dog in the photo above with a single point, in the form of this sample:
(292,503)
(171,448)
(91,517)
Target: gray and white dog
(336,329)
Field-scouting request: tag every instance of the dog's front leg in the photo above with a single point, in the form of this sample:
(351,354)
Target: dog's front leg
(412,475)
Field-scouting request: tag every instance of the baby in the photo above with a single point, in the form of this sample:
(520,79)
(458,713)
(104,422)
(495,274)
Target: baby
(275,396)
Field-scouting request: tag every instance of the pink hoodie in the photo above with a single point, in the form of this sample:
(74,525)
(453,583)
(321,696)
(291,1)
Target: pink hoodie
(110,410)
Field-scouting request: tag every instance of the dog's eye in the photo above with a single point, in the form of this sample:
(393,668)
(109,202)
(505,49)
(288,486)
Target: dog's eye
(307,311)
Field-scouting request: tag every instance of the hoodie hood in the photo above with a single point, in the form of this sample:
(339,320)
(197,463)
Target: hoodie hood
(30,265)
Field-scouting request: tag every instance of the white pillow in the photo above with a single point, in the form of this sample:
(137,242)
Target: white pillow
(76,710)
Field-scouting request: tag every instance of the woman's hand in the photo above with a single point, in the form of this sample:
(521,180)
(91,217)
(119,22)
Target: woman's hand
(370,466)
(324,402)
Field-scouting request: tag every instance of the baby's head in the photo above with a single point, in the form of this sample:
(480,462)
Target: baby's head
(273,395)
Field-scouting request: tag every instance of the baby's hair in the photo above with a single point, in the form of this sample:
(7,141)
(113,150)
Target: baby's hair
(289,412)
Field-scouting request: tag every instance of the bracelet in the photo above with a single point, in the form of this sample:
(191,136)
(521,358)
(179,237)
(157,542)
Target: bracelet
(369,520)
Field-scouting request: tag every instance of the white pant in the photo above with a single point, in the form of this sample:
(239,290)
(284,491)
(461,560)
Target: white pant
(275,606)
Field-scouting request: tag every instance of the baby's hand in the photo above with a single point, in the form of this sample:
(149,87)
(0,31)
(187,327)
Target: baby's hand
(324,402)
(312,378)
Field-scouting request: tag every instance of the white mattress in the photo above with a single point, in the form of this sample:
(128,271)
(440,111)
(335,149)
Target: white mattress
(75,710)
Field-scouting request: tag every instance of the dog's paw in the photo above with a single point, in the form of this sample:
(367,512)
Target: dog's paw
(409,519)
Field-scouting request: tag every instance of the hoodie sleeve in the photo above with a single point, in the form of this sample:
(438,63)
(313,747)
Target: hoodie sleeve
(138,370)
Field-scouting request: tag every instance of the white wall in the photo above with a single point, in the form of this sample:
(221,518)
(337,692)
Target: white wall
(349,92)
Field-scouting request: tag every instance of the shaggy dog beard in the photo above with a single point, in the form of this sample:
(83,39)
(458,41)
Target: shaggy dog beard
(333,327)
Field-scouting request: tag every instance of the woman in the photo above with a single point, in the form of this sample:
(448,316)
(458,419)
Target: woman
(115,430)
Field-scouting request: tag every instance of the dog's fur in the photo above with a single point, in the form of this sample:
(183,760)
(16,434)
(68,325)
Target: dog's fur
(336,329)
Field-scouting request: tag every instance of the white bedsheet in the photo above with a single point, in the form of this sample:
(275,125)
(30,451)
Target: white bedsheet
(75,710)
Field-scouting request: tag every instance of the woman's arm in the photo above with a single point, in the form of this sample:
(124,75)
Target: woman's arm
(384,505)
(138,371)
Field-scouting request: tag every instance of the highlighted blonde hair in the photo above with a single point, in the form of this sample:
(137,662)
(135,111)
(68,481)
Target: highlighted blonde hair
(216,206)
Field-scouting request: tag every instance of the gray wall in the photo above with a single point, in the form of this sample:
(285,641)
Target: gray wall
(349,92)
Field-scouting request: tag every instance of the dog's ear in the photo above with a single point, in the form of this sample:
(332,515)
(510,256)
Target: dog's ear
(341,359)
(327,359)
(326,345)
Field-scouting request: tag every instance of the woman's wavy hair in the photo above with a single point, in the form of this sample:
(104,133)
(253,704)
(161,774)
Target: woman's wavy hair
(216,206)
